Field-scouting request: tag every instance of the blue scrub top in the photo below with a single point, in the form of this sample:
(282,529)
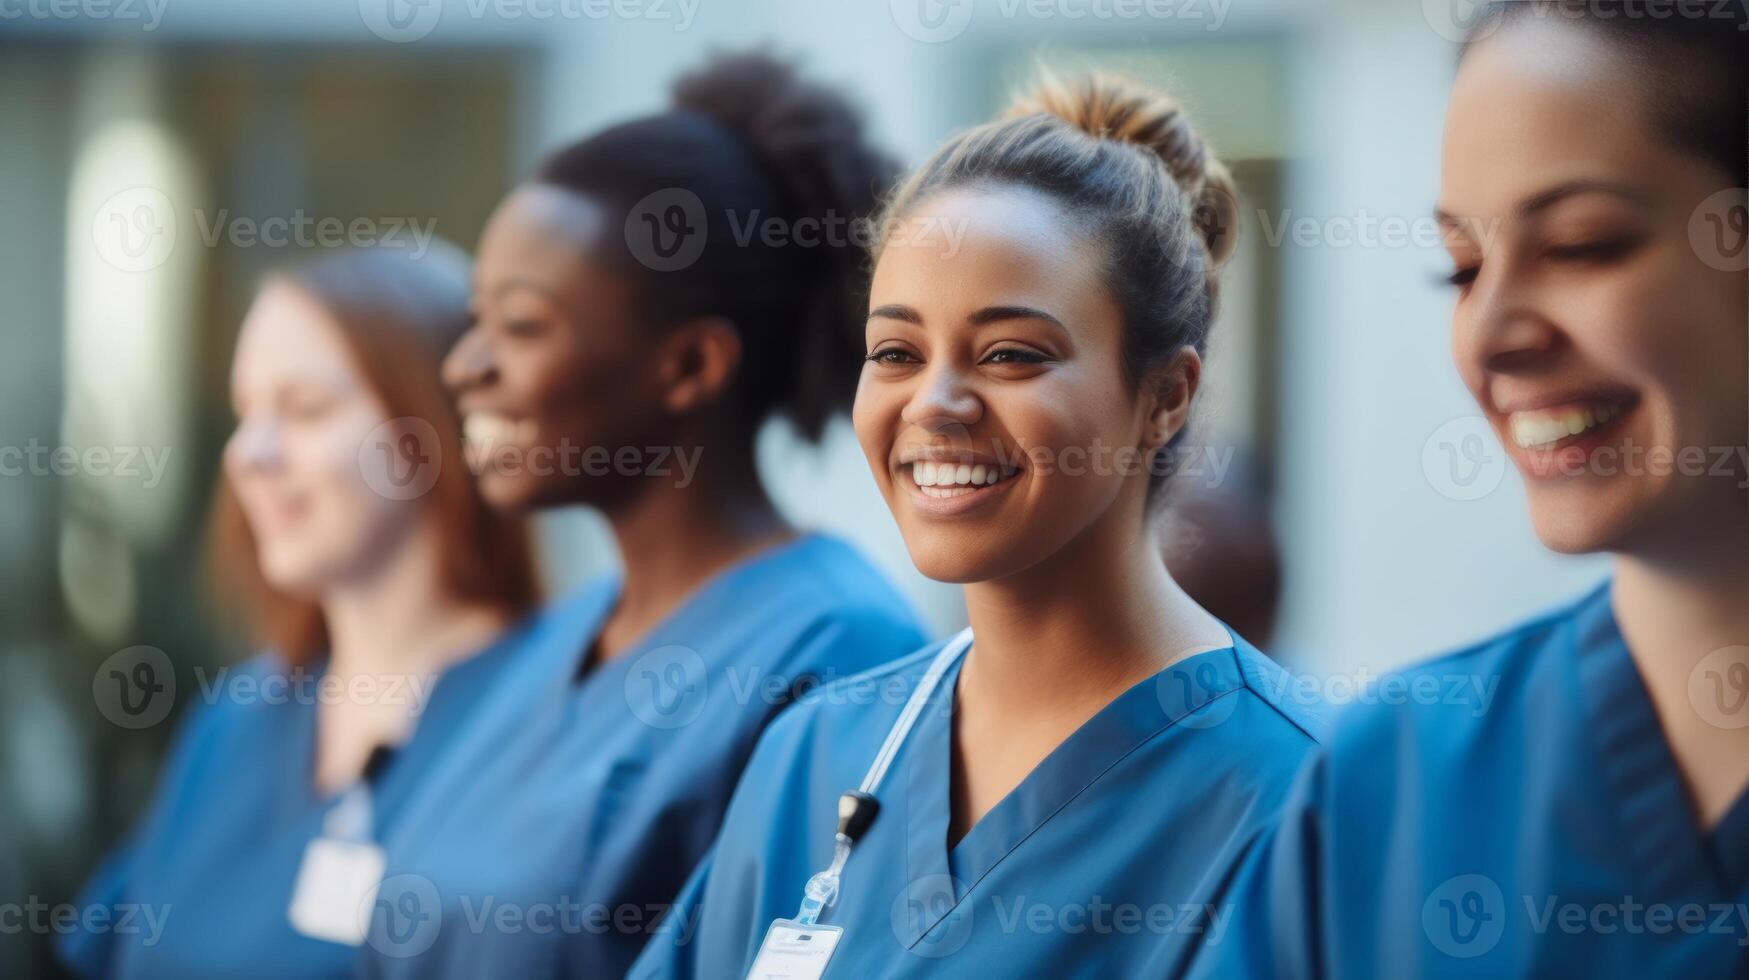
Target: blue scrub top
(577,806)
(1544,831)
(202,886)
(1113,852)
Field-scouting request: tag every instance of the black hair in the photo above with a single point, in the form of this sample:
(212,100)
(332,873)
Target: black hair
(746,141)
(1695,52)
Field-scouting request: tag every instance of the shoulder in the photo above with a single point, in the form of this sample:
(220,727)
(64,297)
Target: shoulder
(1451,708)
(864,701)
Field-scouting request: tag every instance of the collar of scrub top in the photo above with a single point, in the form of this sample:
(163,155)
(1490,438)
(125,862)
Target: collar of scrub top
(351,817)
(1642,774)
(857,808)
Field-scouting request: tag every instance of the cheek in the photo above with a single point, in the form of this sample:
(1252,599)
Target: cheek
(875,417)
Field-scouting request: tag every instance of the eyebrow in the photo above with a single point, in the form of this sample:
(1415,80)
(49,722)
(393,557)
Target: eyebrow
(987,315)
(1543,200)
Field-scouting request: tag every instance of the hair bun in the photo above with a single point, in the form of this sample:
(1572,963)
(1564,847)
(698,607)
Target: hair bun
(1110,107)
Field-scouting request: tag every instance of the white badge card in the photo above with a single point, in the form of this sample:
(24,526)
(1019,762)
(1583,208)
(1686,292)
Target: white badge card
(336,891)
(794,952)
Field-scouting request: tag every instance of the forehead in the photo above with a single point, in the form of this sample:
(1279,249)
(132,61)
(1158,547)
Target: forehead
(547,238)
(288,335)
(969,247)
(1538,104)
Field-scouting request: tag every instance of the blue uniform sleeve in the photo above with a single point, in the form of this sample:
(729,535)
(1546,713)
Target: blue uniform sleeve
(1277,897)
(92,954)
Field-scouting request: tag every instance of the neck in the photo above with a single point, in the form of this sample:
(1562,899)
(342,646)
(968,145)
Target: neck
(1084,625)
(393,630)
(674,538)
(1675,611)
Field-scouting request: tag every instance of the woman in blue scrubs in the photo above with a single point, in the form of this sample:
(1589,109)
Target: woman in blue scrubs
(1066,794)
(644,305)
(1591,818)
(389,594)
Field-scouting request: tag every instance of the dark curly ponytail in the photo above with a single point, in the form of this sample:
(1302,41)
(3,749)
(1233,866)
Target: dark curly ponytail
(763,184)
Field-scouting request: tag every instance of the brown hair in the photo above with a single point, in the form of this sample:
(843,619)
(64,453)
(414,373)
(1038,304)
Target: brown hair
(1129,168)
(398,315)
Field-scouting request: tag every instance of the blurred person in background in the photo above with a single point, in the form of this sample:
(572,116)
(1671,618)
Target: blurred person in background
(1104,744)
(636,325)
(1591,816)
(1220,545)
(390,598)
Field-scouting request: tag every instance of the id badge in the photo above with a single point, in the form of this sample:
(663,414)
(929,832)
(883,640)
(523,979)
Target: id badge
(336,891)
(794,952)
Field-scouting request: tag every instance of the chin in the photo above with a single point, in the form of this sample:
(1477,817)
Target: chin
(960,558)
(293,575)
(1576,523)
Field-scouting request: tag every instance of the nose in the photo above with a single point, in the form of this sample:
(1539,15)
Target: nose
(255,446)
(469,363)
(1501,328)
(944,401)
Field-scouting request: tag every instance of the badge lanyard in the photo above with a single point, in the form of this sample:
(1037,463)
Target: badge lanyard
(334,897)
(801,946)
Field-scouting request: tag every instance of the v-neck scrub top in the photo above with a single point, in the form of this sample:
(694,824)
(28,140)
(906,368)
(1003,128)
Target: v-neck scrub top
(577,807)
(207,876)
(1544,833)
(1114,851)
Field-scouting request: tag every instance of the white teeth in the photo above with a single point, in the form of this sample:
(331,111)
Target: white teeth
(1542,429)
(489,429)
(955,477)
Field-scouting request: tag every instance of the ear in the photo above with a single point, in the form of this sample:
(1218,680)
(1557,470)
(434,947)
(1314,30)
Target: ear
(699,361)
(1171,387)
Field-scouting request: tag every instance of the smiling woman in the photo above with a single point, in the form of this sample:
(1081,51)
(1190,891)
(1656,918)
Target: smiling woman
(1594,820)
(1096,747)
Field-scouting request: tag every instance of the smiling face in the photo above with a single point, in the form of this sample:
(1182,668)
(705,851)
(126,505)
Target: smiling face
(555,365)
(993,408)
(303,412)
(1590,332)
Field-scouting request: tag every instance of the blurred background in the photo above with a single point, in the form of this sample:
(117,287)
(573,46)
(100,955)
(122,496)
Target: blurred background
(156,156)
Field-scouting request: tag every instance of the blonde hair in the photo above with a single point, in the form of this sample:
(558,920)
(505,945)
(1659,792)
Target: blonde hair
(1134,174)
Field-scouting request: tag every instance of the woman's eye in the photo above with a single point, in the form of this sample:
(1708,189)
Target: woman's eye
(1015,355)
(1600,251)
(891,355)
(523,328)
(1463,276)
